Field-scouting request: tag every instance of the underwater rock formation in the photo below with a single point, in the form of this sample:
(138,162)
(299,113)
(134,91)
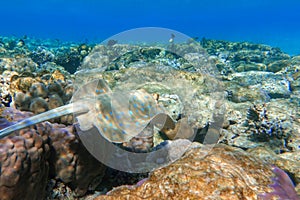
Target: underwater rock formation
(267,84)
(289,161)
(187,57)
(245,56)
(224,172)
(18,64)
(30,55)
(71,162)
(34,79)
(71,58)
(269,125)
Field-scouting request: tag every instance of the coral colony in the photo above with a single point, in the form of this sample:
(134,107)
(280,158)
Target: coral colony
(232,106)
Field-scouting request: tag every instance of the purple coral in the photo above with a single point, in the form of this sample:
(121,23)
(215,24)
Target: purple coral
(282,186)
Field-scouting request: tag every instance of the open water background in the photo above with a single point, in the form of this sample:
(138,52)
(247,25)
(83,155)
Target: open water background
(272,22)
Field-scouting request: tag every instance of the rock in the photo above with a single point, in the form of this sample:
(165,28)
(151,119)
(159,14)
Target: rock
(55,101)
(245,56)
(18,64)
(244,67)
(278,65)
(289,161)
(187,57)
(38,90)
(268,83)
(244,94)
(274,127)
(102,55)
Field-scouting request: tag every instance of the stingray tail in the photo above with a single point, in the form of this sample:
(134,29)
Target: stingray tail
(51,114)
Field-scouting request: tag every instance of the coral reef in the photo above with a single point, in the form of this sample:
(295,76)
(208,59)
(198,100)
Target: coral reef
(187,57)
(260,127)
(24,167)
(18,64)
(36,94)
(261,83)
(245,56)
(72,57)
(257,86)
(58,190)
(28,54)
(32,155)
(268,124)
(71,162)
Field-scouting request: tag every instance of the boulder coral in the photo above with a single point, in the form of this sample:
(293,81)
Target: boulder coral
(224,172)
(38,94)
(24,167)
(32,156)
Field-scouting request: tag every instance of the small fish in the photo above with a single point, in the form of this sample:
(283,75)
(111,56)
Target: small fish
(119,116)
(171,40)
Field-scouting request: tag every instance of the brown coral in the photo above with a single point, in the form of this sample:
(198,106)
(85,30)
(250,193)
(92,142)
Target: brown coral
(224,173)
(31,156)
(39,94)
(71,162)
(24,166)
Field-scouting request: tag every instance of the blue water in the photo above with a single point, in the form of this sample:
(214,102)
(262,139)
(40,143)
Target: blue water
(272,22)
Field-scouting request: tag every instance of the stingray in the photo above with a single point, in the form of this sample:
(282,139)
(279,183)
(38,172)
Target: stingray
(118,116)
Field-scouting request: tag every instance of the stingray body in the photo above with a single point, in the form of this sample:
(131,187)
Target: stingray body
(118,116)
